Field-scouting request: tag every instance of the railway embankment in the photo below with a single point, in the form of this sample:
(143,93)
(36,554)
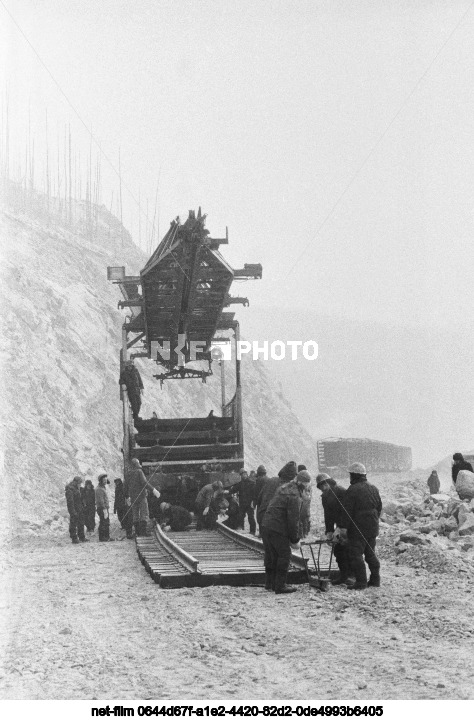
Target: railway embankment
(88,622)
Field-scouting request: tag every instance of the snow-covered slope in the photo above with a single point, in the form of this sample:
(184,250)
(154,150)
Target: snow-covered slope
(62,334)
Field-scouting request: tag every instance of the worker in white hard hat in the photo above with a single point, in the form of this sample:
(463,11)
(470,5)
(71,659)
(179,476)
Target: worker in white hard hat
(362,509)
(332,499)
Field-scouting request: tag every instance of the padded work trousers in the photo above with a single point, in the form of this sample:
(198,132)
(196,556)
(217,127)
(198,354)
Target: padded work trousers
(249,512)
(140,508)
(358,548)
(76,527)
(104,525)
(277,551)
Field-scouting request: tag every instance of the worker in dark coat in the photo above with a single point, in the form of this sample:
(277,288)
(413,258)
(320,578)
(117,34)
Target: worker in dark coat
(188,490)
(332,496)
(362,509)
(153,505)
(281,531)
(208,493)
(259,482)
(76,510)
(217,507)
(176,517)
(269,488)
(459,464)
(262,478)
(136,486)
(131,378)
(233,512)
(246,491)
(433,483)
(122,509)
(102,503)
(88,503)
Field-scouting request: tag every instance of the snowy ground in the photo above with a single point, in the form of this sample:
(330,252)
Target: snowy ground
(86,621)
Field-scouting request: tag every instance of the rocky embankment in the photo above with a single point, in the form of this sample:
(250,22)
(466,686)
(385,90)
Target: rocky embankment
(435,532)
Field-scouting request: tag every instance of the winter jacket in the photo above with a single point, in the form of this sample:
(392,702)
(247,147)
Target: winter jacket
(204,497)
(362,509)
(259,483)
(178,518)
(270,487)
(433,483)
(136,484)
(119,501)
(462,466)
(74,499)
(246,490)
(101,498)
(332,500)
(131,378)
(283,513)
(88,499)
(266,494)
(233,514)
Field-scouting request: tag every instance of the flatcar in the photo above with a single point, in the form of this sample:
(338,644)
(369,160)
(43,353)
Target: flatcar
(335,455)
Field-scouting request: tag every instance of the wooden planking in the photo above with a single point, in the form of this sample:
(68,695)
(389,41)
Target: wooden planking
(179,453)
(169,424)
(221,560)
(192,437)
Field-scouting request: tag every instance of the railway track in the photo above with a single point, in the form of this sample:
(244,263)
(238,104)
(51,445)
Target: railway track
(208,558)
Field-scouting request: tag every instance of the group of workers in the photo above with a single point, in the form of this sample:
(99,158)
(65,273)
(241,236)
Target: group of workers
(351,523)
(130,505)
(83,501)
(277,509)
(281,503)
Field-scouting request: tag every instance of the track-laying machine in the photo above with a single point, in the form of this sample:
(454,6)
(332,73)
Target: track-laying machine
(177,307)
(177,313)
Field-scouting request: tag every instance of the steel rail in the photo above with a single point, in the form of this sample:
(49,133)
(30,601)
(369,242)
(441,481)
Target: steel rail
(252,542)
(189,562)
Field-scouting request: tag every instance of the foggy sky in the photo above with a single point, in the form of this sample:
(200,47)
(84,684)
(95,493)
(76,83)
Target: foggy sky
(262,113)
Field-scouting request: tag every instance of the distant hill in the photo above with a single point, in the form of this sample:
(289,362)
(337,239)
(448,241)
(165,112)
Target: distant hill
(411,386)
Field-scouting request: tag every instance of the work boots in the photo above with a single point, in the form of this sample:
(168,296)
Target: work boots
(280,583)
(285,589)
(143,529)
(269,580)
(340,580)
(357,586)
(343,572)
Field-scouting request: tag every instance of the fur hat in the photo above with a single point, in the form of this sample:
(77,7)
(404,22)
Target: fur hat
(289,471)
